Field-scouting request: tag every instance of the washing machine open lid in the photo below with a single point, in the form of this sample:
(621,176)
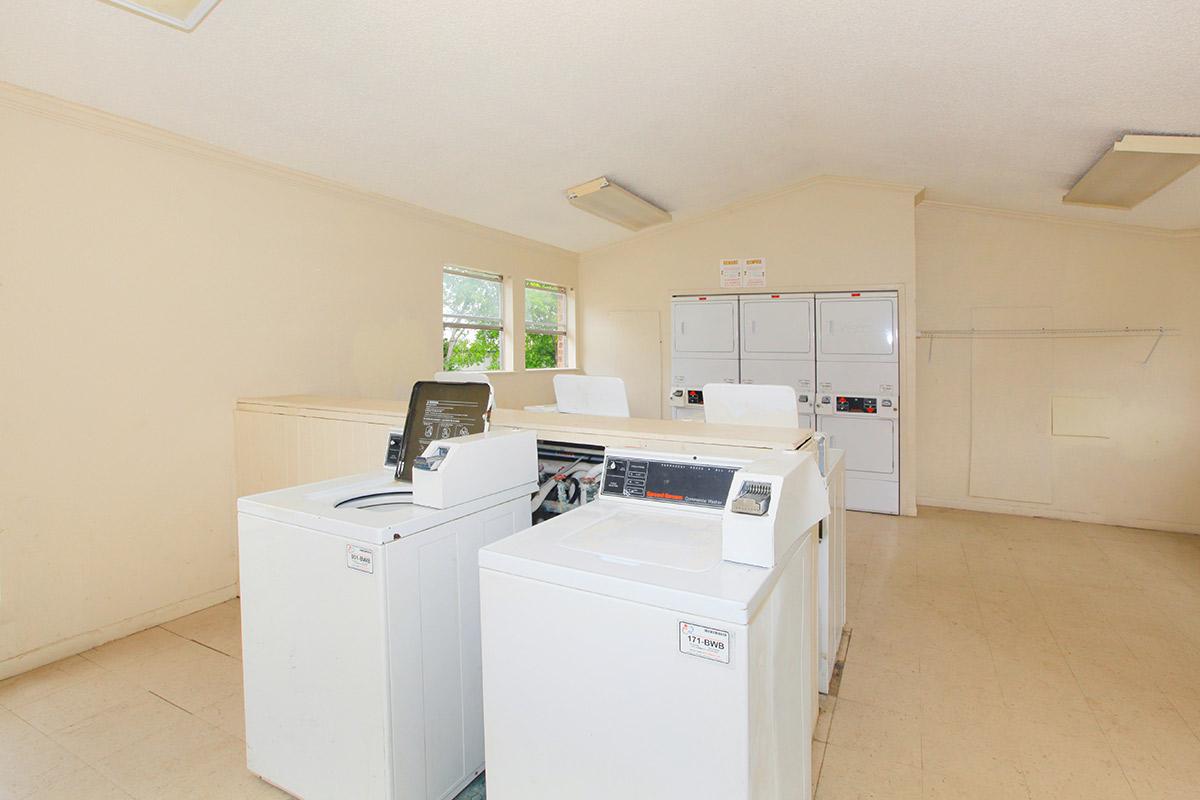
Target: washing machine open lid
(371,507)
(667,558)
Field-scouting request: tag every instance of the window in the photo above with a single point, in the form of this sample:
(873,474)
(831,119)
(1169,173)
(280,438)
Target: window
(472,319)
(545,325)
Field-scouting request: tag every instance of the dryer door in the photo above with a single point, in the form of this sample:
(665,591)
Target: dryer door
(705,328)
(869,443)
(777,326)
(859,326)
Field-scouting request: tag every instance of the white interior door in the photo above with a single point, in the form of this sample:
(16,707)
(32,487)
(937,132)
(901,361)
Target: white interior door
(857,327)
(869,443)
(705,328)
(775,326)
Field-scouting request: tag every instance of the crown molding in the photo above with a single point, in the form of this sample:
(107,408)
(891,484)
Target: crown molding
(93,119)
(1038,216)
(916,192)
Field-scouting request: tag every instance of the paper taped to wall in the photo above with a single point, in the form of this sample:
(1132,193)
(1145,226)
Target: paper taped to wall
(731,273)
(754,272)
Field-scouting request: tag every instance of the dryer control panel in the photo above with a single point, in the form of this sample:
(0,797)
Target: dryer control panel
(686,398)
(690,483)
(858,405)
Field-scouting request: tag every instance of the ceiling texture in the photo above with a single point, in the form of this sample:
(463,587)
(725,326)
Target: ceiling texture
(488,111)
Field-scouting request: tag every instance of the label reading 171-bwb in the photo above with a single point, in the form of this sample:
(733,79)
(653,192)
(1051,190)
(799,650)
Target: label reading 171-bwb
(705,642)
(360,558)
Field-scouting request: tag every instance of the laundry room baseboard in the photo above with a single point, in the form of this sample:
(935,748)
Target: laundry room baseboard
(1017,509)
(94,638)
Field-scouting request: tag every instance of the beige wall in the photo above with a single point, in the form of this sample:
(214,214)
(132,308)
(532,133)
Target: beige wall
(825,234)
(996,449)
(145,283)
(1144,473)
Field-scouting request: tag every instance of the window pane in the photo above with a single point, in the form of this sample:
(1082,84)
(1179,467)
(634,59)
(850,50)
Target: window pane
(470,349)
(545,306)
(468,299)
(545,350)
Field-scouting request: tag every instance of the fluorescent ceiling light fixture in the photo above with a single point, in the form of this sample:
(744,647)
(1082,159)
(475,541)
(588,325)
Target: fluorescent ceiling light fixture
(182,14)
(1135,168)
(616,204)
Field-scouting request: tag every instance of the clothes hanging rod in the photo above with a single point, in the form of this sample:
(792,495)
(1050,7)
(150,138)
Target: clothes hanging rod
(1043,333)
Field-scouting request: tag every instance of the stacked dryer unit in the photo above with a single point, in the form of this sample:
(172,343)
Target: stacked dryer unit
(756,338)
(838,350)
(858,393)
(704,349)
(777,345)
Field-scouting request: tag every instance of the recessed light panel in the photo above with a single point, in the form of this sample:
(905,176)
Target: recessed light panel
(182,14)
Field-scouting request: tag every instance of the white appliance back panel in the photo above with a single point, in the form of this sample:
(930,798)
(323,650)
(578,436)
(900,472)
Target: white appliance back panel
(800,375)
(777,326)
(705,328)
(857,327)
(695,372)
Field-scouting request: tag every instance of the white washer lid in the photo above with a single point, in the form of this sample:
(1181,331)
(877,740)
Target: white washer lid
(669,558)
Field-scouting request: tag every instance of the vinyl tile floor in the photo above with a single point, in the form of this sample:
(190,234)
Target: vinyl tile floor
(989,657)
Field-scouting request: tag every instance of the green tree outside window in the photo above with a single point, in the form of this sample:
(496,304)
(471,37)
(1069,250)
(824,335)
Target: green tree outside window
(472,319)
(545,325)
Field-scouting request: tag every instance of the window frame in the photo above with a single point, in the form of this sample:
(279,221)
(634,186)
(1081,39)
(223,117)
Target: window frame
(475,323)
(562,331)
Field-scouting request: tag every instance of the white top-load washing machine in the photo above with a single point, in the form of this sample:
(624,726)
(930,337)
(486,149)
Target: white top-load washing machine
(778,346)
(360,624)
(831,568)
(858,393)
(704,349)
(660,642)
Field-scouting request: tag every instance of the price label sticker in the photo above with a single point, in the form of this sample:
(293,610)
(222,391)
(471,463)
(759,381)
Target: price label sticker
(360,558)
(704,642)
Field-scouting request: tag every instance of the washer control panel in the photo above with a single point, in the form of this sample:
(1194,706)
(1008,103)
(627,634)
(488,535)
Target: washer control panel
(690,483)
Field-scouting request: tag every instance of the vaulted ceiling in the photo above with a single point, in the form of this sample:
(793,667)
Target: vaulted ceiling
(487,111)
